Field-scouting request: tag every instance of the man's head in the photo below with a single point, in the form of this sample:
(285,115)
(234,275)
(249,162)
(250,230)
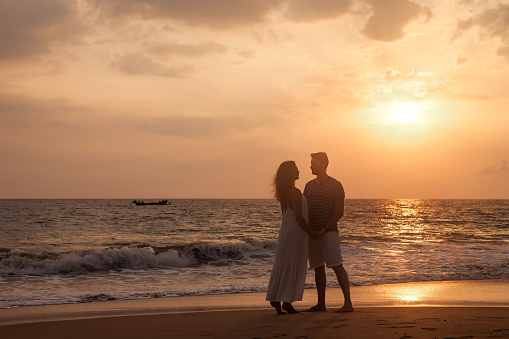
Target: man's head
(319,163)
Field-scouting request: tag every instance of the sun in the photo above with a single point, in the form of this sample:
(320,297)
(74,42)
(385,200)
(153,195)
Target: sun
(405,113)
(403,120)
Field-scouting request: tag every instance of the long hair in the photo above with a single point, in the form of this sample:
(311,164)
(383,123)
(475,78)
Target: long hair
(284,180)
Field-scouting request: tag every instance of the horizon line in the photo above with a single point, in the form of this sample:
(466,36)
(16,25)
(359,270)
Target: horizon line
(191,198)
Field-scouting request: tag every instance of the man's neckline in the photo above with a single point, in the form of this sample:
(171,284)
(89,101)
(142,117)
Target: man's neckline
(318,183)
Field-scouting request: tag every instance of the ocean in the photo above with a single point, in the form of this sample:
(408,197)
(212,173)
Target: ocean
(77,251)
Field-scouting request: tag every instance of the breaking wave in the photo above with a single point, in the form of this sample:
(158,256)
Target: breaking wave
(140,257)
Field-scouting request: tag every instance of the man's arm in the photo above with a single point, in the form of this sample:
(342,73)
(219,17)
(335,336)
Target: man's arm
(340,210)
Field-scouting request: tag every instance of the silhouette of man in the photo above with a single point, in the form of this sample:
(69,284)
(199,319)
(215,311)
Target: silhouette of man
(326,201)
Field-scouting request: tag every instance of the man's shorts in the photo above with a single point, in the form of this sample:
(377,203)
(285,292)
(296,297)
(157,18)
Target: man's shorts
(325,250)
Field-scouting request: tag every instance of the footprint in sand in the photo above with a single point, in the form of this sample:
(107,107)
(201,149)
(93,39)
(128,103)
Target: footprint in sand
(339,326)
(428,328)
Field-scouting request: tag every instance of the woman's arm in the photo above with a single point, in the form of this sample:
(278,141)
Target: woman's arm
(297,208)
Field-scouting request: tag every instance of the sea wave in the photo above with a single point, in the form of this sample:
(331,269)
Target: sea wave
(140,257)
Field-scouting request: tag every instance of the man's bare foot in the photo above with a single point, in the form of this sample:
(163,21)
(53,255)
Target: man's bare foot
(289,308)
(277,306)
(317,308)
(345,309)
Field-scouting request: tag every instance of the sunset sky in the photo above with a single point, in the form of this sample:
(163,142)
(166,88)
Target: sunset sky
(204,99)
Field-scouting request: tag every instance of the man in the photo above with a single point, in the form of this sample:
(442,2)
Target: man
(326,201)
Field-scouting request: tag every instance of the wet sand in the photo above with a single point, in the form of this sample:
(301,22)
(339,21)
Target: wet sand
(414,310)
(366,322)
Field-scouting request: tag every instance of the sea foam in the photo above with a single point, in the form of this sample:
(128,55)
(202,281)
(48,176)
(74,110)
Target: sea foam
(135,258)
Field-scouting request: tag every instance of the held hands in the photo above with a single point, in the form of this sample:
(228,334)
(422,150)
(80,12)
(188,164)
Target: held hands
(317,233)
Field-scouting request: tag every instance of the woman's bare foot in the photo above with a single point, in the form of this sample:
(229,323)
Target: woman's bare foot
(317,308)
(345,309)
(289,308)
(277,306)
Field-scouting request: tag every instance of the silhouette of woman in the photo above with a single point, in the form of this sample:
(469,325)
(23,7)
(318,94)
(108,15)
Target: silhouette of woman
(288,274)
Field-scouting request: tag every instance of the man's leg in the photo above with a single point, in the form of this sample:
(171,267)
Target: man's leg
(344,283)
(320,281)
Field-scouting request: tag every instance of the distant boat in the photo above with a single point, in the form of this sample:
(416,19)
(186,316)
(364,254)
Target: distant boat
(142,203)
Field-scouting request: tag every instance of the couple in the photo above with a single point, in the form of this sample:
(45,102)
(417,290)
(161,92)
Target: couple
(307,232)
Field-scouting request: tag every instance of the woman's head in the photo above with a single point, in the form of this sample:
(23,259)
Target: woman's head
(284,180)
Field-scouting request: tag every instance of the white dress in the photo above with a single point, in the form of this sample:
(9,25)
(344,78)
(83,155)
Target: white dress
(288,275)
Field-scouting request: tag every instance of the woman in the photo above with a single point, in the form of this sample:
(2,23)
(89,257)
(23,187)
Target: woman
(288,275)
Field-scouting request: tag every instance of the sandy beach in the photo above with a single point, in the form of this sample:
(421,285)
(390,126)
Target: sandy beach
(365,322)
(457,309)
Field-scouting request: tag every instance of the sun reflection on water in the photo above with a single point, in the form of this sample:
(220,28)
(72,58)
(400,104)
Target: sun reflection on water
(404,219)
(410,296)
(411,293)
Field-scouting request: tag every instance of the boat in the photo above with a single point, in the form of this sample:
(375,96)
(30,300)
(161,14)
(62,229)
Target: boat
(143,203)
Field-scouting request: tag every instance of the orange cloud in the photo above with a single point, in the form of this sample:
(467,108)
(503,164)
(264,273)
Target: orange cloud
(393,75)
(203,127)
(305,10)
(32,27)
(443,92)
(351,75)
(218,13)
(492,23)
(134,63)
(461,59)
(390,17)
(499,167)
(190,50)
(19,110)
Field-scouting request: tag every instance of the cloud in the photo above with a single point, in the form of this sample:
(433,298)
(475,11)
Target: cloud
(390,17)
(249,54)
(503,51)
(31,27)
(394,75)
(398,86)
(200,127)
(134,63)
(402,91)
(493,23)
(306,11)
(188,50)
(220,14)
(443,92)
(18,105)
(414,86)
(499,167)
(18,110)
(351,75)
(461,59)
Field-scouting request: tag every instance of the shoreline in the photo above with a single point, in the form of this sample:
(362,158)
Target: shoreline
(491,293)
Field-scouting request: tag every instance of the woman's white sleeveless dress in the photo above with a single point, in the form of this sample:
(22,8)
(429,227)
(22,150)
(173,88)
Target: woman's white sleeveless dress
(288,275)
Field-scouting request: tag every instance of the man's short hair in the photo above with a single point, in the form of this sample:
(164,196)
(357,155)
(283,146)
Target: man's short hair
(321,157)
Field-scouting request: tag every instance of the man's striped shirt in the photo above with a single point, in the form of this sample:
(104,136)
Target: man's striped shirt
(321,201)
